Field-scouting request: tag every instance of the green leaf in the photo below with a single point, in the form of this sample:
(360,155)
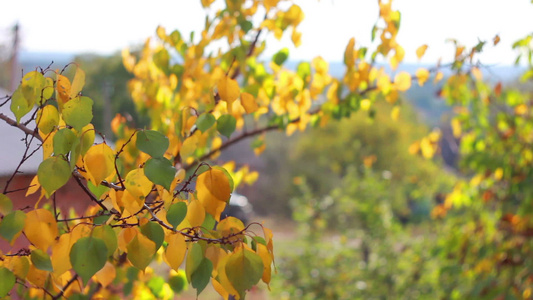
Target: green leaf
(141,251)
(201,276)
(97,191)
(41,260)
(154,232)
(53,173)
(205,121)
(209,222)
(7,282)
(152,142)
(226,125)
(195,255)
(88,256)
(281,56)
(244,269)
(78,112)
(63,141)
(108,235)
(178,283)
(161,59)
(5,204)
(160,171)
(176,213)
(12,224)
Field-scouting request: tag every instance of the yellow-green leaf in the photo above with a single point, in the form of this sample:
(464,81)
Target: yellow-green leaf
(141,250)
(88,256)
(47,118)
(244,269)
(138,184)
(78,112)
(5,204)
(228,90)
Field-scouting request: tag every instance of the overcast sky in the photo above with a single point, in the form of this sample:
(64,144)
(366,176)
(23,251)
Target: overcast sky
(108,26)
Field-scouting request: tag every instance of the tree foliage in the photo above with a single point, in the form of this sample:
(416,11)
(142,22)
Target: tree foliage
(158,193)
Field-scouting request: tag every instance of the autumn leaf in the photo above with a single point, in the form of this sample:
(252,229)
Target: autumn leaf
(99,162)
(420,51)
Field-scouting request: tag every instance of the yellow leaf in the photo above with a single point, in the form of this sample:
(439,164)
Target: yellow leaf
(384,84)
(48,143)
(223,278)
(99,163)
(220,289)
(213,184)
(63,90)
(137,184)
(40,228)
(349,57)
(125,236)
(195,213)
(106,275)
(34,186)
(37,277)
(422,75)
(267,262)
(19,265)
(249,103)
(131,204)
(60,250)
(140,251)
(228,90)
(77,83)
(402,81)
(296,38)
(420,51)
(176,249)
(215,254)
(496,40)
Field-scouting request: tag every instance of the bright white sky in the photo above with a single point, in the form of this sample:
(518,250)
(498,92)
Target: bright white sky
(105,26)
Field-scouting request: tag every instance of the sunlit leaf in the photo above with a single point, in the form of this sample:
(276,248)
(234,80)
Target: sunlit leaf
(420,51)
(87,256)
(60,250)
(228,90)
(99,163)
(152,142)
(402,81)
(422,75)
(63,90)
(19,265)
(213,190)
(77,83)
